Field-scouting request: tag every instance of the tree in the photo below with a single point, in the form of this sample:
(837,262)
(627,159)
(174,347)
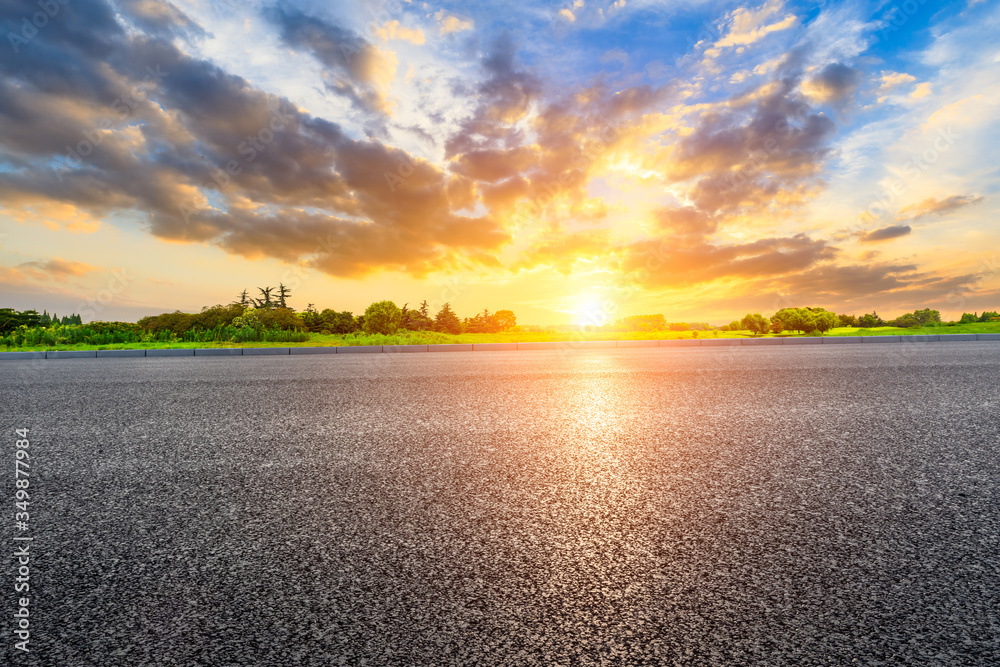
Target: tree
(847,320)
(756,323)
(382,317)
(989,316)
(447,321)
(826,321)
(505,319)
(871,320)
(416,320)
(735,325)
(244,299)
(45,320)
(283,294)
(967,318)
(265,302)
(776,326)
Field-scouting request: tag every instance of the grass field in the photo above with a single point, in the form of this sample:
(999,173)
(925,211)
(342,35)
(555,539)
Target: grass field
(434,338)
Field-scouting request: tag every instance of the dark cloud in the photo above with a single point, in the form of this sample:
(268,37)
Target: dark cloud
(130,123)
(355,68)
(159,18)
(834,84)
(504,97)
(763,157)
(885,234)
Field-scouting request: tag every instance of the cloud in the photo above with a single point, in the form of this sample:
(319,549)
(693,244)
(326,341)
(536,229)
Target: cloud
(885,234)
(159,17)
(934,206)
(562,251)
(206,157)
(56,268)
(448,24)
(663,262)
(921,90)
(765,157)
(567,14)
(394,30)
(354,67)
(889,80)
(747,26)
(615,56)
(833,84)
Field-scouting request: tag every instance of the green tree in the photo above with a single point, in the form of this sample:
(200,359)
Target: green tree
(44,320)
(968,318)
(756,323)
(826,321)
(870,320)
(447,321)
(244,299)
(734,325)
(847,320)
(776,326)
(382,317)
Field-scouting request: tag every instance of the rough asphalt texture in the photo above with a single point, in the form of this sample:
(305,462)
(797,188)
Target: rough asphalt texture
(822,505)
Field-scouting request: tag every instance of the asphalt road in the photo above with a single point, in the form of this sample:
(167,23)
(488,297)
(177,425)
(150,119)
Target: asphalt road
(724,506)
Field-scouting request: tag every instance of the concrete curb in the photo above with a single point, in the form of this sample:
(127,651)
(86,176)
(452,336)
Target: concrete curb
(71,354)
(219,352)
(493,347)
(121,353)
(22,355)
(637,343)
(680,342)
(709,342)
(454,347)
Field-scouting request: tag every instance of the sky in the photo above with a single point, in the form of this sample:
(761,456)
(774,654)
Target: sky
(575,161)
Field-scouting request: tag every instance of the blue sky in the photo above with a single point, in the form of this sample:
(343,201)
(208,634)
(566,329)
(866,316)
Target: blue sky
(571,161)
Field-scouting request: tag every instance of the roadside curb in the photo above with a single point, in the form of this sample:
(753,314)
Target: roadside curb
(494,347)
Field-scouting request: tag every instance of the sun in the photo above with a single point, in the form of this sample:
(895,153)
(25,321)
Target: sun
(590,309)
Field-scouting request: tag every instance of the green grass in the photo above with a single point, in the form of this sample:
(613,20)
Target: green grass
(434,338)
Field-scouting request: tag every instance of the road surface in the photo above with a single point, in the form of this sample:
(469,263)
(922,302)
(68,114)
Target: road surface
(712,506)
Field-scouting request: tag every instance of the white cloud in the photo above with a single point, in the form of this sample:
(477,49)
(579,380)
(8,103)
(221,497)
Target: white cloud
(747,26)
